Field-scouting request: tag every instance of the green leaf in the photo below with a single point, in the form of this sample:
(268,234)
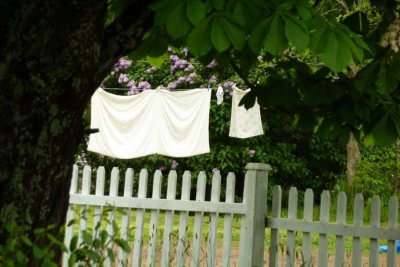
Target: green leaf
(87,238)
(218,36)
(26,241)
(156,61)
(162,9)
(21,258)
(275,40)
(336,54)
(123,244)
(196,11)
(234,32)
(304,11)
(73,243)
(157,46)
(218,4)
(386,80)
(384,131)
(37,252)
(177,23)
(296,32)
(72,260)
(257,36)
(365,79)
(199,42)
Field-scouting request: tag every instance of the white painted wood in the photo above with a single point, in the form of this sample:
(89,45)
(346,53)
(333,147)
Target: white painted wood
(276,214)
(137,248)
(176,205)
(375,223)
(153,228)
(252,229)
(183,221)
(213,227)
(198,220)
(227,242)
(308,217)
(392,223)
(291,235)
(98,210)
(332,229)
(84,209)
(358,214)
(125,219)
(111,217)
(69,229)
(324,218)
(169,220)
(340,220)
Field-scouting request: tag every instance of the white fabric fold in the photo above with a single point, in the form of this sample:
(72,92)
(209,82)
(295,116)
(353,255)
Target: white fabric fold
(153,122)
(244,123)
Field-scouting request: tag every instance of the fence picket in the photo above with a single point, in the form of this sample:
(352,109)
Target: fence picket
(69,230)
(86,181)
(198,220)
(291,235)
(393,221)
(324,218)
(276,213)
(228,217)
(153,228)
(308,217)
(183,221)
(375,223)
(340,220)
(123,256)
(169,220)
(137,248)
(213,227)
(114,184)
(98,210)
(358,214)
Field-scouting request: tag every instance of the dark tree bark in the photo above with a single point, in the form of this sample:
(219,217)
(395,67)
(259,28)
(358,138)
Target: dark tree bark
(53,56)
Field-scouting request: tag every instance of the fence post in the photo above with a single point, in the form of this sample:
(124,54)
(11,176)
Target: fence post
(252,232)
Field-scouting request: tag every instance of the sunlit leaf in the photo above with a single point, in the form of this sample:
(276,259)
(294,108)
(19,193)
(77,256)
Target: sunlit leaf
(199,42)
(196,11)
(177,23)
(218,36)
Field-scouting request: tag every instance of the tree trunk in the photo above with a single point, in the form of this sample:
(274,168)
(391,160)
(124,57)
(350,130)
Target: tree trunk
(353,157)
(53,56)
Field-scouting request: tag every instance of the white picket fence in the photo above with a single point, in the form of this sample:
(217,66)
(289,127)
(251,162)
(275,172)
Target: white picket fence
(251,212)
(339,229)
(285,232)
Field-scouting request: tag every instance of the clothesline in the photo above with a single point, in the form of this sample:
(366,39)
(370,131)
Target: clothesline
(127,89)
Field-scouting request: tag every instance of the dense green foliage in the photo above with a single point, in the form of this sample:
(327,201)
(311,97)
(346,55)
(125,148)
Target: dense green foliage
(298,157)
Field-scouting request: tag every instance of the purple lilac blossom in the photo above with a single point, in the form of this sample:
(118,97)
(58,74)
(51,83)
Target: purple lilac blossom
(212,64)
(162,168)
(213,79)
(174,58)
(123,78)
(123,64)
(151,70)
(228,84)
(174,165)
(189,68)
(131,84)
(181,64)
(251,153)
(172,85)
(181,80)
(144,85)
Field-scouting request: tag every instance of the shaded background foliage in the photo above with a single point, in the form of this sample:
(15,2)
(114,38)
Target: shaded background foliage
(298,157)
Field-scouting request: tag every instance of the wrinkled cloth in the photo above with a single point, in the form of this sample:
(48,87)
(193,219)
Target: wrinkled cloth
(244,123)
(220,95)
(153,122)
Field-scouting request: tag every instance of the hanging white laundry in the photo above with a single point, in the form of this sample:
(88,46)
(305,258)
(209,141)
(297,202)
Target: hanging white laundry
(244,122)
(220,95)
(153,122)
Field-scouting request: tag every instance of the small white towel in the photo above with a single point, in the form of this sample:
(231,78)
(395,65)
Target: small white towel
(220,95)
(153,122)
(244,123)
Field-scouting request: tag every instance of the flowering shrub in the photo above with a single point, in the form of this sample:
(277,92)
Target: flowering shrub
(298,158)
